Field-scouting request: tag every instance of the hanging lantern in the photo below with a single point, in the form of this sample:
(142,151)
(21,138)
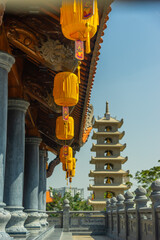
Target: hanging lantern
(66,154)
(64,129)
(79,20)
(66,89)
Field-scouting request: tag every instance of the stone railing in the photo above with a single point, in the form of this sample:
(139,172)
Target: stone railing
(78,221)
(130,218)
(126,218)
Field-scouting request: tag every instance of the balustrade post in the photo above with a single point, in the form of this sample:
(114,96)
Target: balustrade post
(120,206)
(108,219)
(141,202)
(113,212)
(128,203)
(66,208)
(155,197)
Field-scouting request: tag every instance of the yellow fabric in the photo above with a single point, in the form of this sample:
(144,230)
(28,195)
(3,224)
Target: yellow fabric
(74,163)
(74,27)
(66,159)
(64,129)
(66,89)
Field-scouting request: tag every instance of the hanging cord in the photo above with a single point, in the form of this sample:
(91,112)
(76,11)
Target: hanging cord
(79,71)
(74,7)
(88,48)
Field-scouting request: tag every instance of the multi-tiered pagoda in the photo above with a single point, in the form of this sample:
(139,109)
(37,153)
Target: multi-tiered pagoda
(109,178)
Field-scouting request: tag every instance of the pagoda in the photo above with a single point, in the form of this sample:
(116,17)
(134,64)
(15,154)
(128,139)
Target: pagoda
(109,178)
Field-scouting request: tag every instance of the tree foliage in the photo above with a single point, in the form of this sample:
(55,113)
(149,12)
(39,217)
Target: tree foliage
(146,177)
(76,203)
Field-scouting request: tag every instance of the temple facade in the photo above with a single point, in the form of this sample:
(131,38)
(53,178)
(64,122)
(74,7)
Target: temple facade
(109,178)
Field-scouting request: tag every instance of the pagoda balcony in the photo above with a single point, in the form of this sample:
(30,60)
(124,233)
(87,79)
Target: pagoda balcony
(108,134)
(119,146)
(107,173)
(108,187)
(109,159)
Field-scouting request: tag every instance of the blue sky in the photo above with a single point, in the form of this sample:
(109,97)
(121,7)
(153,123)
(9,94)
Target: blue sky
(128,77)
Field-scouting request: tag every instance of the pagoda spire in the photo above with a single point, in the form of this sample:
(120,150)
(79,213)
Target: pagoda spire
(107,114)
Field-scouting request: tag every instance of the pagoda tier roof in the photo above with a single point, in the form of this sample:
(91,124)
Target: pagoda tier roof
(107,173)
(108,159)
(108,187)
(94,202)
(104,121)
(108,146)
(108,134)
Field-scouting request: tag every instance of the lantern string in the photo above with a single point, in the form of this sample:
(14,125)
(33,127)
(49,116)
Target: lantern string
(88,49)
(79,71)
(74,6)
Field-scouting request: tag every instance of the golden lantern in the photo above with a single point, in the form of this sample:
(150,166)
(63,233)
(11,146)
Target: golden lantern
(66,89)
(79,20)
(66,154)
(64,129)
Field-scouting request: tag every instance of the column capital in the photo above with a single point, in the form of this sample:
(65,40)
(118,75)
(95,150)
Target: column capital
(6,61)
(18,104)
(33,140)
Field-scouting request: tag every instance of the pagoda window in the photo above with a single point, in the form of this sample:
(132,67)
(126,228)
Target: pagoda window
(108,140)
(108,153)
(109,194)
(108,180)
(108,166)
(108,129)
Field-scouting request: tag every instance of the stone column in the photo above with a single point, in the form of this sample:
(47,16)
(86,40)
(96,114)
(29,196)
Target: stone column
(155,197)
(14,172)
(128,203)
(42,187)
(6,62)
(31,183)
(141,203)
(66,208)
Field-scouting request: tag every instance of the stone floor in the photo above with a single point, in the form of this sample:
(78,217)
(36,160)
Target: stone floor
(89,237)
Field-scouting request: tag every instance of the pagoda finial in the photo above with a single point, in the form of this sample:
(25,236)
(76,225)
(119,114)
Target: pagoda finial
(107,114)
(107,108)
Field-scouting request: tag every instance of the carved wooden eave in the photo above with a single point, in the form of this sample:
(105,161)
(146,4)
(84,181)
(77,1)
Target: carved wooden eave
(29,36)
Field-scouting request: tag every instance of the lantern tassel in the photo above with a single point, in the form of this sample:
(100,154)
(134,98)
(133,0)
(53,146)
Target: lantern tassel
(79,72)
(88,49)
(74,7)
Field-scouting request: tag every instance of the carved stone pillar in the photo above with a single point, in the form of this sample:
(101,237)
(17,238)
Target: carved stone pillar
(31,183)
(42,187)
(6,62)
(14,172)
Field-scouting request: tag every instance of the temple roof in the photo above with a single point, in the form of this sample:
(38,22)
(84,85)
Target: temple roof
(108,134)
(108,187)
(108,159)
(95,147)
(107,173)
(32,34)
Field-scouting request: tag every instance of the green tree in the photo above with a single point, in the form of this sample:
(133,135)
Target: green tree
(76,202)
(146,177)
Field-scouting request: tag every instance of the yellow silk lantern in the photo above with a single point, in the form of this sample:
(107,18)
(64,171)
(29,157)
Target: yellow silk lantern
(66,89)
(64,129)
(66,154)
(75,23)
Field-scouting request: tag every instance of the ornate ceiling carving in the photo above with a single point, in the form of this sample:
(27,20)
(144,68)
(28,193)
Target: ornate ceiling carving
(58,56)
